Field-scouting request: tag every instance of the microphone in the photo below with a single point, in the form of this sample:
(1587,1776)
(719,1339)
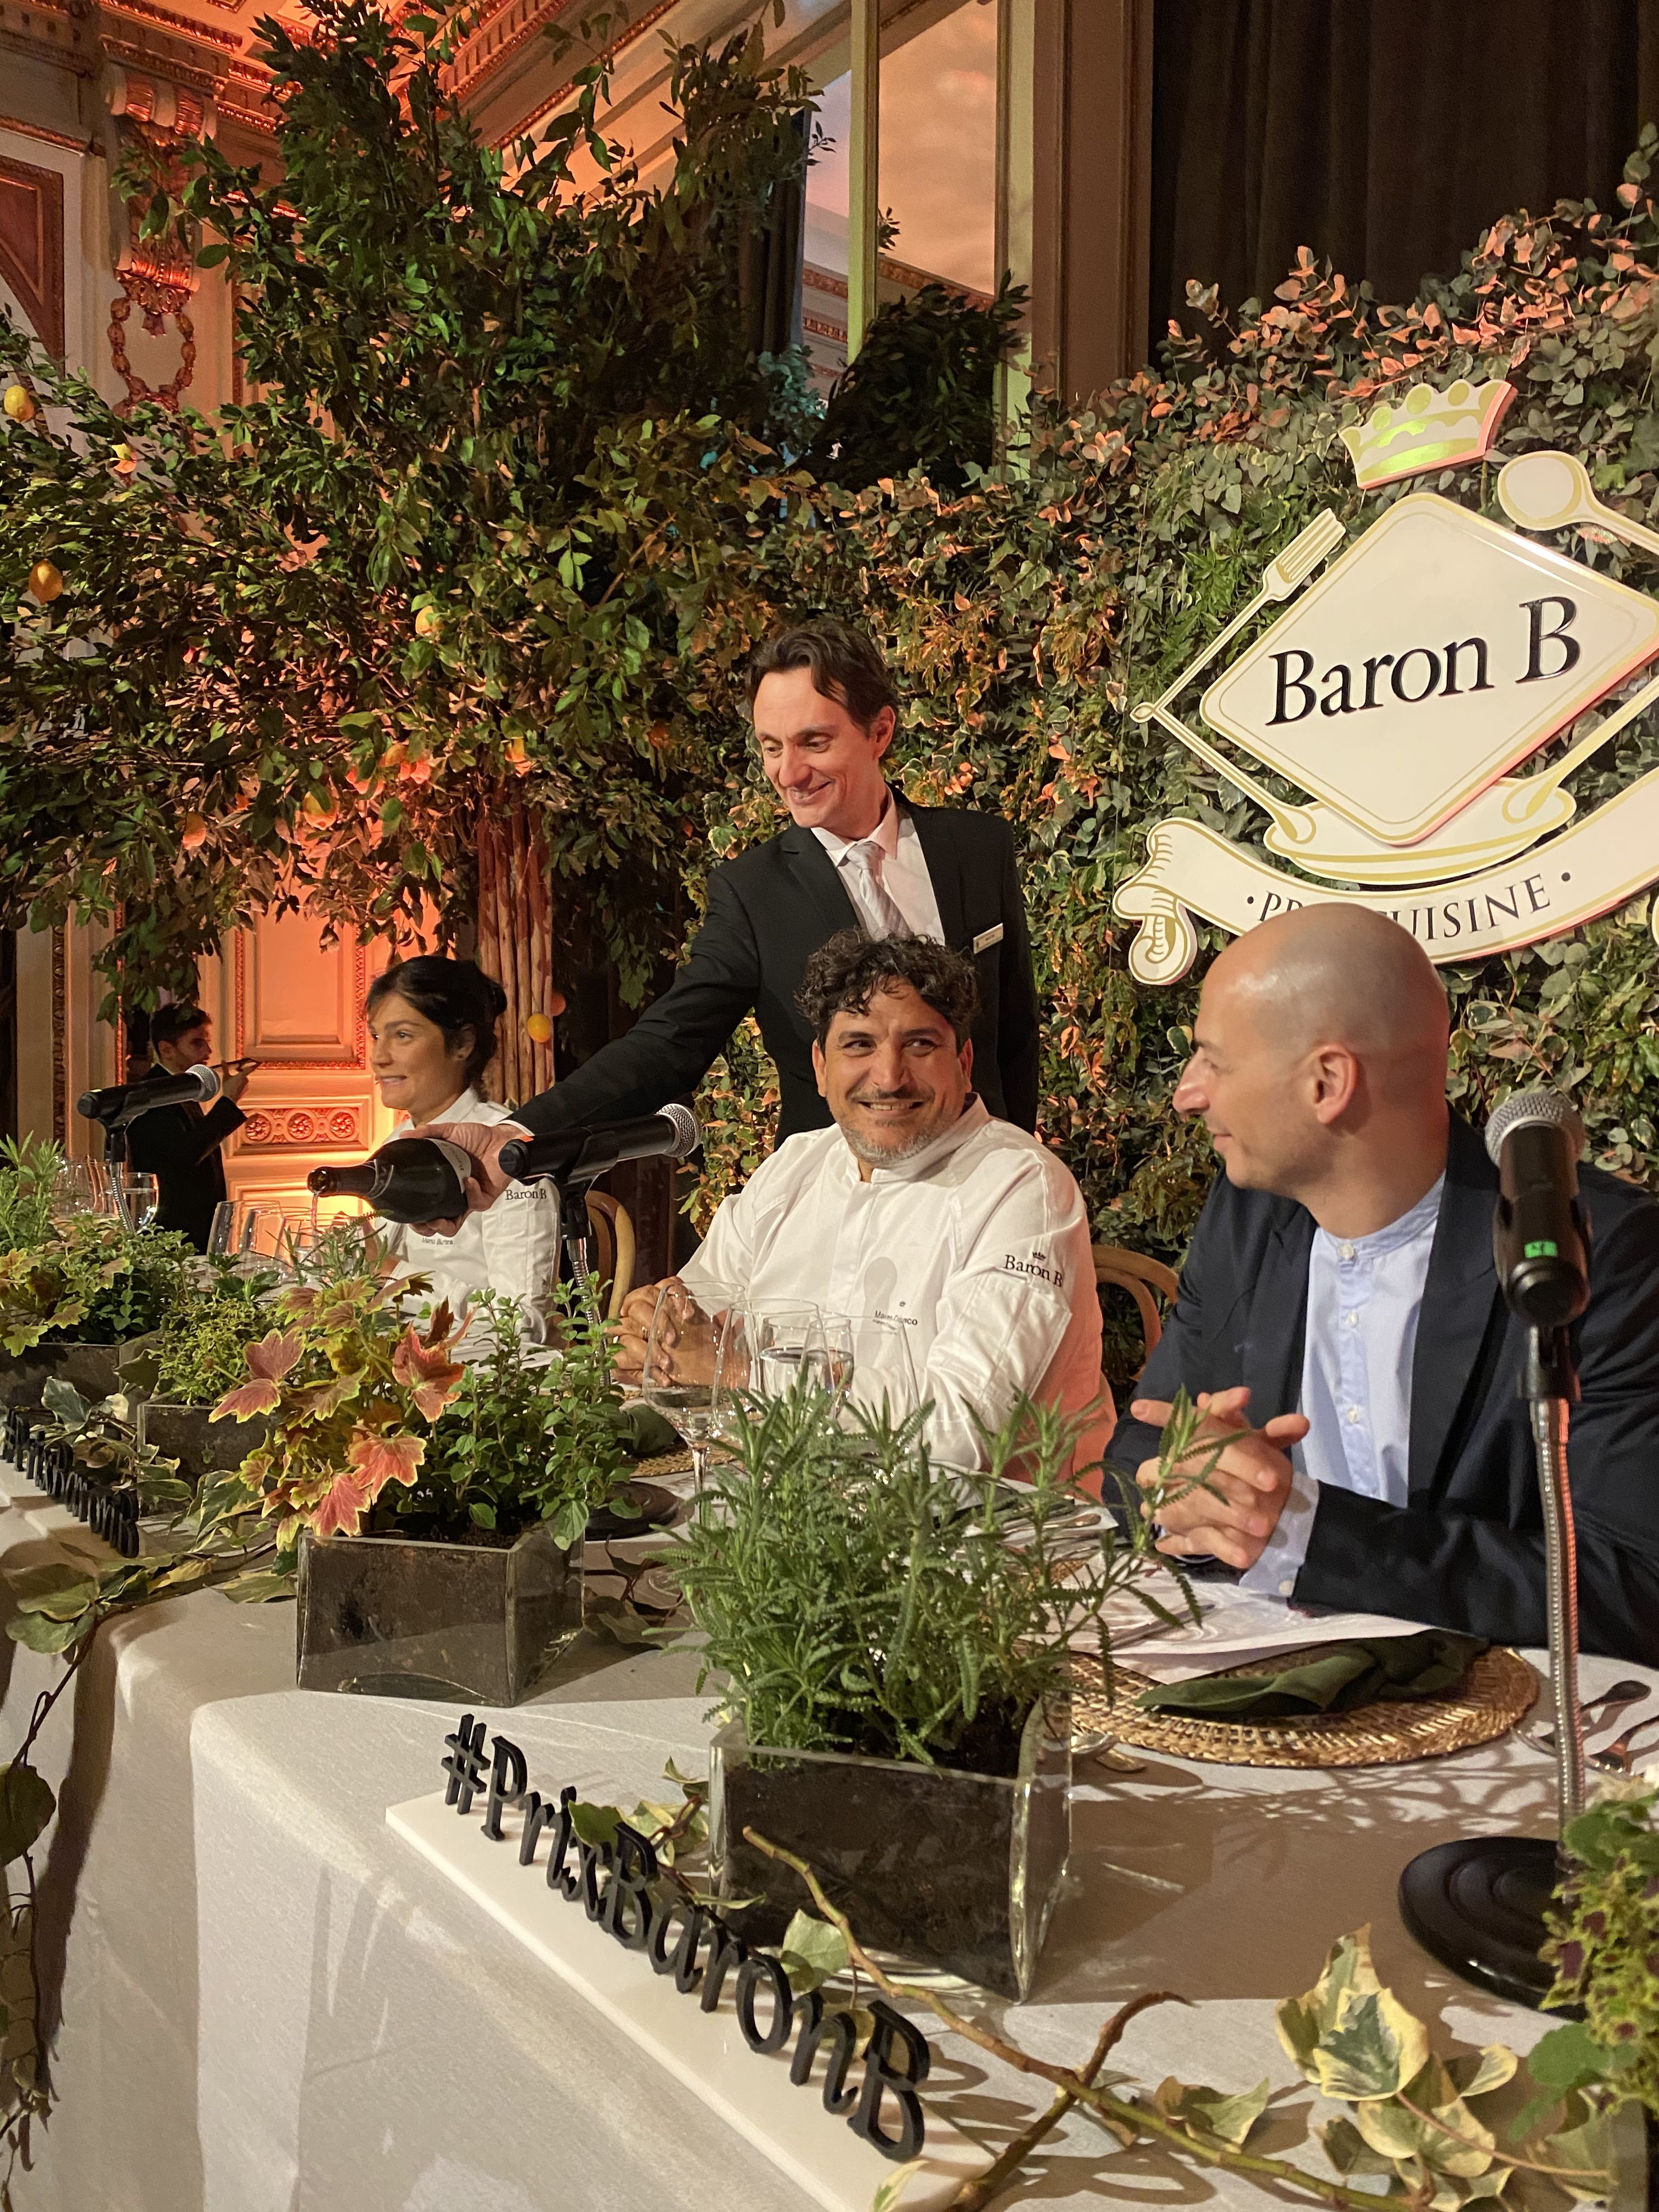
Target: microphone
(572,1155)
(1540,1242)
(125,1101)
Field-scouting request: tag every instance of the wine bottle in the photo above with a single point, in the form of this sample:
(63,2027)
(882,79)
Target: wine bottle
(409,1179)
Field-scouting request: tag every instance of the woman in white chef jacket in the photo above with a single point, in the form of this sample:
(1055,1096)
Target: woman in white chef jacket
(432,1026)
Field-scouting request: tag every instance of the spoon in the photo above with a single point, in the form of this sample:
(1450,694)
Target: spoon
(1627,1692)
(1554,491)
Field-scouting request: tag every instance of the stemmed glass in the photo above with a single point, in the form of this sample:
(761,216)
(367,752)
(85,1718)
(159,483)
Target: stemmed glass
(250,1236)
(137,1196)
(681,1356)
(72,1192)
(786,1342)
(886,1372)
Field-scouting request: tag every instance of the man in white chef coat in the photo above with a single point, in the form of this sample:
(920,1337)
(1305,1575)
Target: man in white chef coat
(960,1237)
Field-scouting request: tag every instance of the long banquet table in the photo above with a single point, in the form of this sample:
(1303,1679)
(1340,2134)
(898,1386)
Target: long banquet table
(270,2003)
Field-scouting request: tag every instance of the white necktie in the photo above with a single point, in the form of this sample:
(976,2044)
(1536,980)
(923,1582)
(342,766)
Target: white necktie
(878,909)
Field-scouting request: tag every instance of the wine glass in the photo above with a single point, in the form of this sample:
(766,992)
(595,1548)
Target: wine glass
(682,1351)
(840,1355)
(103,1190)
(72,1192)
(885,1372)
(137,1196)
(787,1342)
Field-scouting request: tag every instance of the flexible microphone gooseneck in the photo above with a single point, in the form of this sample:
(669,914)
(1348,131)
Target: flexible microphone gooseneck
(125,1101)
(1478,1905)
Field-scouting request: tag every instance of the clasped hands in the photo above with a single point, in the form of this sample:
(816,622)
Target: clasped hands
(1235,1514)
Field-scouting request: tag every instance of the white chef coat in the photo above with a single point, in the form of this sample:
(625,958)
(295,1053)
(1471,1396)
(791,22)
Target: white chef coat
(977,1249)
(903,868)
(511,1247)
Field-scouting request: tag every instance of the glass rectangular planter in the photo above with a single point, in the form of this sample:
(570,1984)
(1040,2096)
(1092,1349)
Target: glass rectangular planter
(410,1617)
(956,1870)
(89,1368)
(199,1444)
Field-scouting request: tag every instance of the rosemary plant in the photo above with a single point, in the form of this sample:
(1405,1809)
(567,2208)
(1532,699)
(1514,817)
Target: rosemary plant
(856,1597)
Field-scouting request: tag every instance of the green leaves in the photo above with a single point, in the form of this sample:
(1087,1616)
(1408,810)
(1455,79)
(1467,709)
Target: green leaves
(812,1952)
(1208,2114)
(26,1803)
(859,1598)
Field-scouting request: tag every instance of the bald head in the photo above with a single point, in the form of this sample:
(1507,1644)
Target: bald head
(1320,1064)
(1338,975)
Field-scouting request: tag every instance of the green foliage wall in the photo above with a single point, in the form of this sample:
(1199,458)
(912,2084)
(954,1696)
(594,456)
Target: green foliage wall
(507,504)
(1028,616)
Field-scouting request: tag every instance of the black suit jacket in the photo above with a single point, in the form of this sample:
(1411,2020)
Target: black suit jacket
(768,911)
(1467,1551)
(179,1146)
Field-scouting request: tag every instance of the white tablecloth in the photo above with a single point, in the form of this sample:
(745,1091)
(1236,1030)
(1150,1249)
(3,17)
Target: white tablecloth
(271,2004)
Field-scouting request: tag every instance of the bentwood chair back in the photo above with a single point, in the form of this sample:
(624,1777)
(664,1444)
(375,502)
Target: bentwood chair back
(615,1246)
(1146,1281)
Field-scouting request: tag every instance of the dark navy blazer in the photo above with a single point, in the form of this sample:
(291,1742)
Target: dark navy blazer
(1467,1551)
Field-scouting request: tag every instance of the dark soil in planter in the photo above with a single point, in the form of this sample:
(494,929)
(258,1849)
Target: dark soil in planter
(395,1616)
(89,1368)
(958,1867)
(200,1445)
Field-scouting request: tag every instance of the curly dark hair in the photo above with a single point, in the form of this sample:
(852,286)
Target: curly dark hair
(845,662)
(842,976)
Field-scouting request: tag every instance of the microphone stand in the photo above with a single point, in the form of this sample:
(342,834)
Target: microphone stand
(1478,1905)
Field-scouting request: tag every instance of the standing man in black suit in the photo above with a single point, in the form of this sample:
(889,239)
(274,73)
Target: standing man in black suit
(179,1144)
(1340,1308)
(855,855)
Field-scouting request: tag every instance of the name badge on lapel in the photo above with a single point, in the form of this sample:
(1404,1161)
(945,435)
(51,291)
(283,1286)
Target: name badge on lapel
(987,938)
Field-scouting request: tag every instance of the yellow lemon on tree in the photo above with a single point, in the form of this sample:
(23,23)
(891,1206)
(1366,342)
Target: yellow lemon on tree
(428,622)
(194,833)
(45,581)
(19,404)
(539,1029)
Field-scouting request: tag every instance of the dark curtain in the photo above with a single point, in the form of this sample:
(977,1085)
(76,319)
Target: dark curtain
(1385,135)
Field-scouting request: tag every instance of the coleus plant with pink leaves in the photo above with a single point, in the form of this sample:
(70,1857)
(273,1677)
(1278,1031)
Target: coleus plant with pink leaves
(351,1389)
(376,1425)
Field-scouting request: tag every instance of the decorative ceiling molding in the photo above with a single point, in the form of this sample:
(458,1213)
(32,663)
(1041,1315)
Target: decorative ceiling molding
(65,139)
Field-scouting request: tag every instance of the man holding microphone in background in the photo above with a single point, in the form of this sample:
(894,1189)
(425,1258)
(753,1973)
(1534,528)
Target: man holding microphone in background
(179,1144)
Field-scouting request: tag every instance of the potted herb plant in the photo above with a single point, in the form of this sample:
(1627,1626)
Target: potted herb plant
(894,1640)
(73,1290)
(435,1509)
(179,1376)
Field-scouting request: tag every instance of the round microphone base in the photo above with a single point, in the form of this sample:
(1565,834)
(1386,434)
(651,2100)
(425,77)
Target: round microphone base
(1478,1906)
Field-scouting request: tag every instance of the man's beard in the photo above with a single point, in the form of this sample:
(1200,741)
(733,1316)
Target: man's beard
(890,1155)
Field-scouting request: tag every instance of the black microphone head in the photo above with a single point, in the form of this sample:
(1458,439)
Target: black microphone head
(687,1135)
(1534,1109)
(208,1085)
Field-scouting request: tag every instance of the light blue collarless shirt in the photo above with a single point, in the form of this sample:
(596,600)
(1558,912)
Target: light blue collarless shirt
(1365,1294)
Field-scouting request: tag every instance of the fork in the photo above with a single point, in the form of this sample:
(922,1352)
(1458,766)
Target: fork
(1619,1757)
(1627,1692)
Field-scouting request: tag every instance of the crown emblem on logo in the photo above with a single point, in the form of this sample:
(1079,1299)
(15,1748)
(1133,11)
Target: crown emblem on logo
(1427,429)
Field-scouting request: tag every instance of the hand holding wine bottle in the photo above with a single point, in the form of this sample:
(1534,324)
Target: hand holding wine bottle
(481,1142)
(429,1179)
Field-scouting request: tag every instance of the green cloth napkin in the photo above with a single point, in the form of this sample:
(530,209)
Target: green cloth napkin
(1333,1678)
(643,1431)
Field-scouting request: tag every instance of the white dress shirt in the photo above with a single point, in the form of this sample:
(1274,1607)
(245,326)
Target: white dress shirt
(975,1254)
(513,1247)
(1364,1294)
(903,871)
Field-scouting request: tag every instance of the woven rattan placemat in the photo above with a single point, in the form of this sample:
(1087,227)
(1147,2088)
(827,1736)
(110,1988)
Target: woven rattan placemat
(1498,1688)
(653,1470)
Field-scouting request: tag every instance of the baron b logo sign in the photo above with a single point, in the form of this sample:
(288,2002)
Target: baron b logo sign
(1398,708)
